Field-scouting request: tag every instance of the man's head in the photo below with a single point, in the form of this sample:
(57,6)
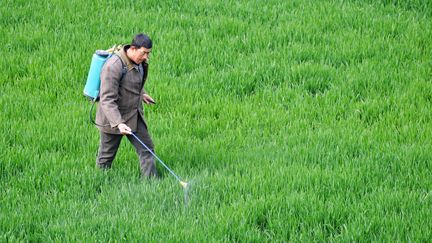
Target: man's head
(140,48)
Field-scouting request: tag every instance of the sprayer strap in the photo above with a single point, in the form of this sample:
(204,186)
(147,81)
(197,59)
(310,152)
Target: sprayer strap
(124,67)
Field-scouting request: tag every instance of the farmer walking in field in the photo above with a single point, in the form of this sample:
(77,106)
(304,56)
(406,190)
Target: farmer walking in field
(121,94)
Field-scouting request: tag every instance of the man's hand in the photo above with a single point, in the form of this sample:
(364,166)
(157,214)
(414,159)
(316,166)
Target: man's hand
(148,99)
(124,129)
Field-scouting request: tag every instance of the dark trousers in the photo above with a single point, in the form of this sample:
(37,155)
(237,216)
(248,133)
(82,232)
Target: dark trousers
(109,144)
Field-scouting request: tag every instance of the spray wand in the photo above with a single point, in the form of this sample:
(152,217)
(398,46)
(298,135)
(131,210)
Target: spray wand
(182,183)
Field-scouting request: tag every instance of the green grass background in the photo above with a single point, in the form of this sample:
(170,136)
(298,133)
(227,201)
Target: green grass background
(294,121)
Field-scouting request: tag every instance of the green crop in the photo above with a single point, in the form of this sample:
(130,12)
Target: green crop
(292,120)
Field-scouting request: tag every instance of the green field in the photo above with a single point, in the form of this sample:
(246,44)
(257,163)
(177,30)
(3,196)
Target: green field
(293,121)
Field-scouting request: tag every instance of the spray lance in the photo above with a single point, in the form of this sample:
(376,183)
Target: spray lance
(182,183)
(92,88)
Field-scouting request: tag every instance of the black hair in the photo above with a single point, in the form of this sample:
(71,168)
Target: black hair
(142,40)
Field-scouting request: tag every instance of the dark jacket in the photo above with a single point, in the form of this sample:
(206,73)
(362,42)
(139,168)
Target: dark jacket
(121,100)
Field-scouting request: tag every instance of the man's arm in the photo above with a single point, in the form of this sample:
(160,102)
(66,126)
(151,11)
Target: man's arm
(146,98)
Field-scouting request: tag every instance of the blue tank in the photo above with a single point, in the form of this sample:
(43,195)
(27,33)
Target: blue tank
(92,87)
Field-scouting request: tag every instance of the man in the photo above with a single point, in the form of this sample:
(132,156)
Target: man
(120,107)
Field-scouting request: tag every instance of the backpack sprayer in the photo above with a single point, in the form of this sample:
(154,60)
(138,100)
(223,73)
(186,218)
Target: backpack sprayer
(92,88)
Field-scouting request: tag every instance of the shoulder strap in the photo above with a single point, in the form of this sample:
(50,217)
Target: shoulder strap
(124,68)
(114,51)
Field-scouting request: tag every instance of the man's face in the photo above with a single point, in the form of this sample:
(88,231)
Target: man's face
(140,55)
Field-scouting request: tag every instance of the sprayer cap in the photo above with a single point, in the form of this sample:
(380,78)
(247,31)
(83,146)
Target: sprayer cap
(102,53)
